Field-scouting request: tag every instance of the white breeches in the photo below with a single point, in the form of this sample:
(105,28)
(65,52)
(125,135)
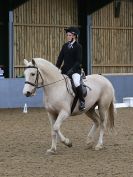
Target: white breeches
(76,79)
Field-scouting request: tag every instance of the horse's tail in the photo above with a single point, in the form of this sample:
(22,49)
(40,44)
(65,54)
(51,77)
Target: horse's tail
(111,116)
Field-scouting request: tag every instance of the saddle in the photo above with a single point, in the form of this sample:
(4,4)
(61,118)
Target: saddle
(84,89)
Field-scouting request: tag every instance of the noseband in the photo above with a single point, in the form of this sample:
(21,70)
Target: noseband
(37,77)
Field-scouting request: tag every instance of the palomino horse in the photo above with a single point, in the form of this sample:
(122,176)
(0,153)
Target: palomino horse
(59,97)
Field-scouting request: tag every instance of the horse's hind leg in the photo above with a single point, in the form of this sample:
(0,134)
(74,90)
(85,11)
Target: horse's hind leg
(91,135)
(103,123)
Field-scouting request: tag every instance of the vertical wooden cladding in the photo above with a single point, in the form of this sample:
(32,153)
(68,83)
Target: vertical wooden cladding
(39,29)
(113,39)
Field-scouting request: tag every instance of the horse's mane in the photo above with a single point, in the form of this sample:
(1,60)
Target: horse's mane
(48,66)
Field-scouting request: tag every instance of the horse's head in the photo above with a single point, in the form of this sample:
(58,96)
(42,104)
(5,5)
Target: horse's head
(32,78)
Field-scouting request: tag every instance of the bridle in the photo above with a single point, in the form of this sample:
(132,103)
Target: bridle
(37,78)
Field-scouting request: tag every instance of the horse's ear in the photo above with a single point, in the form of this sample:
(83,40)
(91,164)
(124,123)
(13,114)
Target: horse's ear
(26,62)
(33,61)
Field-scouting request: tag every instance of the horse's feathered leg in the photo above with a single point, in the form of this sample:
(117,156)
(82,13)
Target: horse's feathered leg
(90,138)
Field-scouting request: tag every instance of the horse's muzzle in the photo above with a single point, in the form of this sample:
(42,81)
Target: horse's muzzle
(28,94)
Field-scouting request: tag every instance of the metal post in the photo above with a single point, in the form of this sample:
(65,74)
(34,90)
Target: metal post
(89,44)
(10,44)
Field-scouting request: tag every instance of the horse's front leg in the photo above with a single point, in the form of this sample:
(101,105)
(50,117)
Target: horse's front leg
(61,117)
(55,131)
(52,119)
(64,140)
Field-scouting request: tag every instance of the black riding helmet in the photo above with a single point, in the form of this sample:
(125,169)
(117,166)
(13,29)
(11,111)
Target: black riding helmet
(73,30)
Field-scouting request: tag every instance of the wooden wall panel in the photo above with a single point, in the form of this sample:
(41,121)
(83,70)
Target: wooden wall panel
(39,29)
(113,39)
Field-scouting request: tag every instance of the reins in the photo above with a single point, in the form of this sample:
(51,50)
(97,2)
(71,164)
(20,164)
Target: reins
(50,83)
(45,85)
(37,76)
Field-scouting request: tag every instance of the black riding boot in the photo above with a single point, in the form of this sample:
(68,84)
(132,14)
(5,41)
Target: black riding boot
(81,98)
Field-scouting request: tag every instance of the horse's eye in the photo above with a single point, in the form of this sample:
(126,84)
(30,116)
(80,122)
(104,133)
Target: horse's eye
(32,74)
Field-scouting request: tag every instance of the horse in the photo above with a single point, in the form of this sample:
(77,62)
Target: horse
(58,98)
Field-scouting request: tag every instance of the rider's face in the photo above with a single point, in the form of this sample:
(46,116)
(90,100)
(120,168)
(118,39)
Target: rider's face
(70,36)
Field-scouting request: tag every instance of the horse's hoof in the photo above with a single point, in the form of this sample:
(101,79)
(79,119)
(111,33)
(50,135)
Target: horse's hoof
(98,147)
(51,152)
(89,145)
(68,143)
(90,142)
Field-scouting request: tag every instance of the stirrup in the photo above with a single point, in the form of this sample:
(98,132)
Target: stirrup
(82,106)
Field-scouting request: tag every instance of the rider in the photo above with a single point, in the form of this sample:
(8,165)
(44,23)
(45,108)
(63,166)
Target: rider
(71,55)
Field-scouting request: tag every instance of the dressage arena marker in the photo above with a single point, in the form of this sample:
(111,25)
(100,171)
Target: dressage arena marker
(25,108)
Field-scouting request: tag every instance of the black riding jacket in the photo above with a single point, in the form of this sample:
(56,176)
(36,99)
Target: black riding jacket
(71,58)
